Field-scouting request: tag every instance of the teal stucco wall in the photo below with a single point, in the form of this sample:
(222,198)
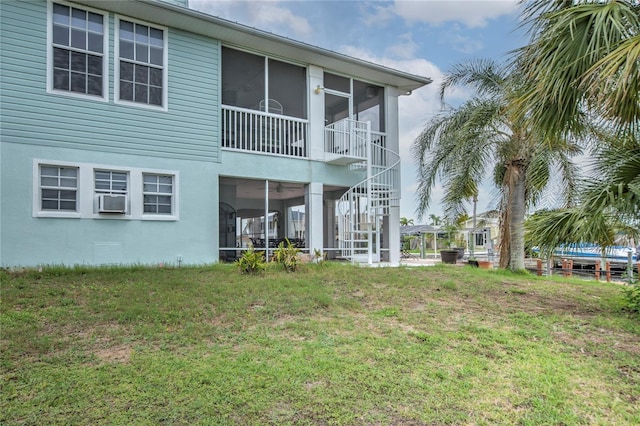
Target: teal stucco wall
(60,128)
(30,241)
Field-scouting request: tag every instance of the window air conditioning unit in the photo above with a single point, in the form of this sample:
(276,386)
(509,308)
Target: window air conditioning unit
(112,203)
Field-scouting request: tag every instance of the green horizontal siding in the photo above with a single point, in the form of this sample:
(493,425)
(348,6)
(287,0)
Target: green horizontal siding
(30,115)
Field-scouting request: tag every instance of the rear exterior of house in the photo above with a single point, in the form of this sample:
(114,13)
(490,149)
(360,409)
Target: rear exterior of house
(143,132)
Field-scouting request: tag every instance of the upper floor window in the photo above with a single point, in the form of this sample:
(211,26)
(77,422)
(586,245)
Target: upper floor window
(255,82)
(58,188)
(77,51)
(141,71)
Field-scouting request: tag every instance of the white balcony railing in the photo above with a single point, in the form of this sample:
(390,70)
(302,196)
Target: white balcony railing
(258,131)
(345,141)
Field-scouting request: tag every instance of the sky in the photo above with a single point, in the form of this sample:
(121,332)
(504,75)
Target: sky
(422,37)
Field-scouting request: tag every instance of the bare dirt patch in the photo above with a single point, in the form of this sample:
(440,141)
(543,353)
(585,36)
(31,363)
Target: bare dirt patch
(117,354)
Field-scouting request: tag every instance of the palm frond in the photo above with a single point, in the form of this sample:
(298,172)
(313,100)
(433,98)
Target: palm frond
(455,146)
(485,76)
(582,55)
(550,229)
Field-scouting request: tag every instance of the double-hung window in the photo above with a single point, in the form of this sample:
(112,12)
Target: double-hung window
(111,188)
(111,182)
(157,191)
(58,188)
(78,62)
(141,64)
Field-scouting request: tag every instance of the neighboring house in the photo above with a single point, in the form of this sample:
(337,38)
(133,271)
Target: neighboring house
(144,132)
(485,235)
(487,231)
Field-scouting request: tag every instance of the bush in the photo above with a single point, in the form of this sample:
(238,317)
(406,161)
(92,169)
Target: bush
(287,256)
(251,262)
(632,294)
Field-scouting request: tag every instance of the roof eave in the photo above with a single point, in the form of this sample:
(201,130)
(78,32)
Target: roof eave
(233,33)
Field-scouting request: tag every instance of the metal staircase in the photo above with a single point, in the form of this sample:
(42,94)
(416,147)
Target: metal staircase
(361,209)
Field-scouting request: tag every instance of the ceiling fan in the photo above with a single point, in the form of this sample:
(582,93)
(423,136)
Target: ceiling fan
(280,188)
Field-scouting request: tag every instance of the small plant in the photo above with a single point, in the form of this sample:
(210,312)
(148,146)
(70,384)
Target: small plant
(251,262)
(318,256)
(287,255)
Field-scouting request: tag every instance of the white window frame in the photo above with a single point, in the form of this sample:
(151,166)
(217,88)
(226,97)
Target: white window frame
(105,52)
(158,194)
(99,191)
(37,191)
(165,66)
(87,195)
(481,234)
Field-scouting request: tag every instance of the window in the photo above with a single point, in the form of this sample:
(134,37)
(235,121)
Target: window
(157,193)
(58,188)
(77,49)
(110,182)
(141,65)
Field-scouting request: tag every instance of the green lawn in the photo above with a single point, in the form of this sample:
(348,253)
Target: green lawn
(331,344)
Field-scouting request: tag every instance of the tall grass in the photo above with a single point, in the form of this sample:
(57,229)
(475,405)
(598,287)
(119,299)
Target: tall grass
(330,344)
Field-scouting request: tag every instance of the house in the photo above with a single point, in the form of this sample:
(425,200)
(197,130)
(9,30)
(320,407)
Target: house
(484,236)
(141,132)
(486,233)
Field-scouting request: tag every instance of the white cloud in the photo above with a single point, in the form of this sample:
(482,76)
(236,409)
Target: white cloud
(376,14)
(457,39)
(405,47)
(266,15)
(472,13)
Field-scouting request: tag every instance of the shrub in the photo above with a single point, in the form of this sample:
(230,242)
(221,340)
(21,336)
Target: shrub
(251,261)
(632,295)
(287,256)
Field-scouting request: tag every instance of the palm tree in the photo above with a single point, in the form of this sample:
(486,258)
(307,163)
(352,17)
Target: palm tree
(584,59)
(405,222)
(608,206)
(484,136)
(435,220)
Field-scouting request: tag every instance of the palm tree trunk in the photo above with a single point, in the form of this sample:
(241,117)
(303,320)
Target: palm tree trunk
(505,235)
(516,220)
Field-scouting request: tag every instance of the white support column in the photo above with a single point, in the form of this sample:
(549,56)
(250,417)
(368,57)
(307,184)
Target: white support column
(313,218)
(316,113)
(394,235)
(330,226)
(384,235)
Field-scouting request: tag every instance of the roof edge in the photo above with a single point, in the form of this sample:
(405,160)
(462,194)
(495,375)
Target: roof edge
(241,34)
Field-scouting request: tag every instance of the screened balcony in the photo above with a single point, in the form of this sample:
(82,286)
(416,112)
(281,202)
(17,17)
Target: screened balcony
(264,105)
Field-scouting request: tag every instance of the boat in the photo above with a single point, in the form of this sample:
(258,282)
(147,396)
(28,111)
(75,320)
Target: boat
(588,254)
